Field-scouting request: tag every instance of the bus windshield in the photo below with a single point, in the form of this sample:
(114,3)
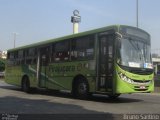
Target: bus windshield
(134,53)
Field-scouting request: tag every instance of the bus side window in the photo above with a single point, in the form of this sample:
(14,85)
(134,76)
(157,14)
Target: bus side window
(16,58)
(10,58)
(20,57)
(30,55)
(74,52)
(61,51)
(82,48)
(53,53)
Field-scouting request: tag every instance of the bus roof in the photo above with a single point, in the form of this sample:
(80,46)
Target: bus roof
(42,43)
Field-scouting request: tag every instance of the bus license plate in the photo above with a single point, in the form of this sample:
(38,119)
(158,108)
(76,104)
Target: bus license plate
(142,87)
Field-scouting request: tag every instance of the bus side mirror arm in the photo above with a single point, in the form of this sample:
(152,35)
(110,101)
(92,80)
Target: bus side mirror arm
(119,34)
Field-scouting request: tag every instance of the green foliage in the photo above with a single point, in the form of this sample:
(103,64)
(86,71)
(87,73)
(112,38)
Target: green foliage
(2,65)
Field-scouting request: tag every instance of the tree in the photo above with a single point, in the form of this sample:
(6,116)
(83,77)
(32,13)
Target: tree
(2,65)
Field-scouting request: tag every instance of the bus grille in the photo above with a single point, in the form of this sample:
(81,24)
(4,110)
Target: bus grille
(142,82)
(138,88)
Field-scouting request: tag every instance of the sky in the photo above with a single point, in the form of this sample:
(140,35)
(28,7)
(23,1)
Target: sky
(40,20)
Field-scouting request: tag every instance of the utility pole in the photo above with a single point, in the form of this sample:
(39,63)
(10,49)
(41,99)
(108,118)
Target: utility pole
(137,12)
(14,38)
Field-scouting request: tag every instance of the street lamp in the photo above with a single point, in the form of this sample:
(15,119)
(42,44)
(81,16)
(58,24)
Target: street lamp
(14,38)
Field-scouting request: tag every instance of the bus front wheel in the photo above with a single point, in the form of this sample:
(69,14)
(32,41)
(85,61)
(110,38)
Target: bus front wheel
(80,88)
(25,85)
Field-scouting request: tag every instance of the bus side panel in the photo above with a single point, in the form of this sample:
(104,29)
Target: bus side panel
(31,71)
(61,75)
(14,74)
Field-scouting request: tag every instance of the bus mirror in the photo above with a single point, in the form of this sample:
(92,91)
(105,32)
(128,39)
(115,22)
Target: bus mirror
(119,34)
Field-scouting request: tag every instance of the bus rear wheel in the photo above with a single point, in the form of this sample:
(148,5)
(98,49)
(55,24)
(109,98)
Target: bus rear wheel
(81,88)
(25,85)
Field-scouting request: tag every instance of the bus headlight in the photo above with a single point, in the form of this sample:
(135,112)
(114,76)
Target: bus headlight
(125,78)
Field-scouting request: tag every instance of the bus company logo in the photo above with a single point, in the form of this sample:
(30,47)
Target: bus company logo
(66,68)
(141,117)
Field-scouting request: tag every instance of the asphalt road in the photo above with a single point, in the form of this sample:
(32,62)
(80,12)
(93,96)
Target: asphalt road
(12,100)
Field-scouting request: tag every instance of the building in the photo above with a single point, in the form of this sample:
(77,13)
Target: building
(156,60)
(156,64)
(3,54)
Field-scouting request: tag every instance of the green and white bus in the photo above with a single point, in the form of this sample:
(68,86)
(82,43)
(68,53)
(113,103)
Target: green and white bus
(111,60)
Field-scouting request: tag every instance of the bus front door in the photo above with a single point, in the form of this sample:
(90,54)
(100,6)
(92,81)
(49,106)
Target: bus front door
(105,64)
(44,59)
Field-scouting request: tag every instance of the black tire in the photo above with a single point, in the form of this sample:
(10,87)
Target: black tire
(81,88)
(113,96)
(25,85)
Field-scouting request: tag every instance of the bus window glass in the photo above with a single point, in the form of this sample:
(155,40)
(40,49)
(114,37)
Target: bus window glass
(20,54)
(30,55)
(82,48)
(11,59)
(134,53)
(11,56)
(61,51)
(16,62)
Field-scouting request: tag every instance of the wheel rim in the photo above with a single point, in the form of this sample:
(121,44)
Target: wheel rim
(82,88)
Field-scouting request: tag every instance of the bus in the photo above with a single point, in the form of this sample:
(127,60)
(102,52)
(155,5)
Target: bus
(112,60)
